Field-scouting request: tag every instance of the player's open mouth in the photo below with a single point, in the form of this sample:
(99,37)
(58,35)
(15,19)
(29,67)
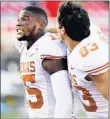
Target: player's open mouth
(19,31)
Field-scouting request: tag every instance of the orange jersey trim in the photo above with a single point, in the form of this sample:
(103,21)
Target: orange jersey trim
(107,67)
(103,67)
(52,57)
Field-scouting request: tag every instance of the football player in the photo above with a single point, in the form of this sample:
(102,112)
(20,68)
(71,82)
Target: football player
(88,60)
(43,66)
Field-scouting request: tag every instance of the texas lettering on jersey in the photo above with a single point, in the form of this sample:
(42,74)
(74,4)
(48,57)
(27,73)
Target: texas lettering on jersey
(27,67)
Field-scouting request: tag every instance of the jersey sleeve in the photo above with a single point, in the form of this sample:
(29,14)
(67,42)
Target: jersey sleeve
(96,32)
(53,50)
(19,45)
(96,62)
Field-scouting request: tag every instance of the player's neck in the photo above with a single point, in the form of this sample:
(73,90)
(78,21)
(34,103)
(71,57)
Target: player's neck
(71,44)
(34,39)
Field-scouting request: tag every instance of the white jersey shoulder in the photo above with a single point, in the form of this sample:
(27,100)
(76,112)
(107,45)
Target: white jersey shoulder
(91,55)
(96,32)
(52,48)
(48,45)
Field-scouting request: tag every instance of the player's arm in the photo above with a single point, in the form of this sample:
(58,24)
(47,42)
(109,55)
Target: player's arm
(101,81)
(61,86)
(100,73)
(97,68)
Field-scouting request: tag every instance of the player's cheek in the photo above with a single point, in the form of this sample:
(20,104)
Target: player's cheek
(26,24)
(27,28)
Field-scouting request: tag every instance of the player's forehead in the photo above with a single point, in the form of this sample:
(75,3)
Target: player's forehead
(25,13)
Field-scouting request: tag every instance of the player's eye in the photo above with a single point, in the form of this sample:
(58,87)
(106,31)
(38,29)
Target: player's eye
(18,20)
(26,20)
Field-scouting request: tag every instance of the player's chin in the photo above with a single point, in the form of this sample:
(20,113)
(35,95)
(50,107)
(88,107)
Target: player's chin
(60,39)
(20,37)
(24,38)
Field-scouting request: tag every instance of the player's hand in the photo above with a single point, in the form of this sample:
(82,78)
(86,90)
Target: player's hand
(54,36)
(52,30)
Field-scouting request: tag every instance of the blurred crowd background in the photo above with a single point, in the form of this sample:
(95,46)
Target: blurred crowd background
(13,102)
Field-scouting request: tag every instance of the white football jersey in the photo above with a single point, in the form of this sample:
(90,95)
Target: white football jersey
(40,98)
(89,57)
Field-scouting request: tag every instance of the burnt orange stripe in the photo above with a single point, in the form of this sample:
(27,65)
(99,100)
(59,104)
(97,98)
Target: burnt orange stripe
(51,56)
(98,67)
(99,70)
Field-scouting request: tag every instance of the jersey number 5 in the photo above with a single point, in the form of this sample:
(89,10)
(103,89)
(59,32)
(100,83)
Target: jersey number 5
(84,51)
(33,91)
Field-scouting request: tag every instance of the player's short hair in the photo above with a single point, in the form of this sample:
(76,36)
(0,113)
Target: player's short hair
(75,20)
(37,10)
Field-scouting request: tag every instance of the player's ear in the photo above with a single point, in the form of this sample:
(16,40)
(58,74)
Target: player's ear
(62,30)
(42,25)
